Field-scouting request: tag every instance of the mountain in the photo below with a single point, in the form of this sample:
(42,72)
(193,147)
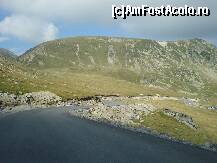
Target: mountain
(183,66)
(14,76)
(180,76)
(8,61)
(6,53)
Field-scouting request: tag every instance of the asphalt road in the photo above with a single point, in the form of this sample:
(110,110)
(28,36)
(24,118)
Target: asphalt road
(52,136)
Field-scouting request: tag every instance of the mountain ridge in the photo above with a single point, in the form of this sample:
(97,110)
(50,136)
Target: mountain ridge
(137,75)
(144,61)
(7,53)
(181,66)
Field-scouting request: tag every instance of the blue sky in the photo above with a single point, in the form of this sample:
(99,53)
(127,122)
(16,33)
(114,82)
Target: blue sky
(26,23)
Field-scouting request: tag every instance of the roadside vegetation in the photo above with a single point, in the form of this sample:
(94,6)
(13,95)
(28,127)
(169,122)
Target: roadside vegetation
(160,123)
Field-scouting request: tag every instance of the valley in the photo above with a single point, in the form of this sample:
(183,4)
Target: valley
(144,78)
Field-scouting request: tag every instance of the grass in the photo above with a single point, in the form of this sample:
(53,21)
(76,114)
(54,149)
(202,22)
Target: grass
(70,85)
(204,118)
(163,124)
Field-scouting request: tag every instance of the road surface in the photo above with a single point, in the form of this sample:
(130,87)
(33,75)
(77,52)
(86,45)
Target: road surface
(52,136)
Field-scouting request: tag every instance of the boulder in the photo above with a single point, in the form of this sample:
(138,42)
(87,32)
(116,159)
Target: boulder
(7,99)
(116,112)
(34,98)
(40,98)
(190,102)
(212,107)
(180,117)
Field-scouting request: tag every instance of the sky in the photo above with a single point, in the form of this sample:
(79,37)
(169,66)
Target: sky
(26,23)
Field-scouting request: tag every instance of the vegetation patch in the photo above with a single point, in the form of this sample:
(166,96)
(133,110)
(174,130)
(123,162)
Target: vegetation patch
(162,124)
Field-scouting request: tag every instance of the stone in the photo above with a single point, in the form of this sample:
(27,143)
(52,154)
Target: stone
(115,112)
(212,107)
(34,98)
(180,117)
(190,102)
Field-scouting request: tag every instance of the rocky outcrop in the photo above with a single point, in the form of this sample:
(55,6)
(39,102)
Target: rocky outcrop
(212,107)
(8,99)
(180,117)
(109,110)
(190,102)
(40,98)
(34,99)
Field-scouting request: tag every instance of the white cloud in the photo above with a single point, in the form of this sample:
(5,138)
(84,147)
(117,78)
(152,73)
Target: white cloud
(99,12)
(63,10)
(29,29)
(3,39)
(49,32)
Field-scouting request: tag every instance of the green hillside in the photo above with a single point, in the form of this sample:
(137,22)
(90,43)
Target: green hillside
(17,78)
(7,54)
(162,71)
(182,66)
(179,68)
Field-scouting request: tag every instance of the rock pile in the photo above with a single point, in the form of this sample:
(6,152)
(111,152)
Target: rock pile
(190,102)
(40,98)
(8,99)
(34,99)
(180,117)
(112,111)
(212,107)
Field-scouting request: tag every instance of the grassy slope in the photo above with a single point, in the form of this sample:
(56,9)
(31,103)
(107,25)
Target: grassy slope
(71,85)
(178,66)
(163,124)
(205,119)
(74,80)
